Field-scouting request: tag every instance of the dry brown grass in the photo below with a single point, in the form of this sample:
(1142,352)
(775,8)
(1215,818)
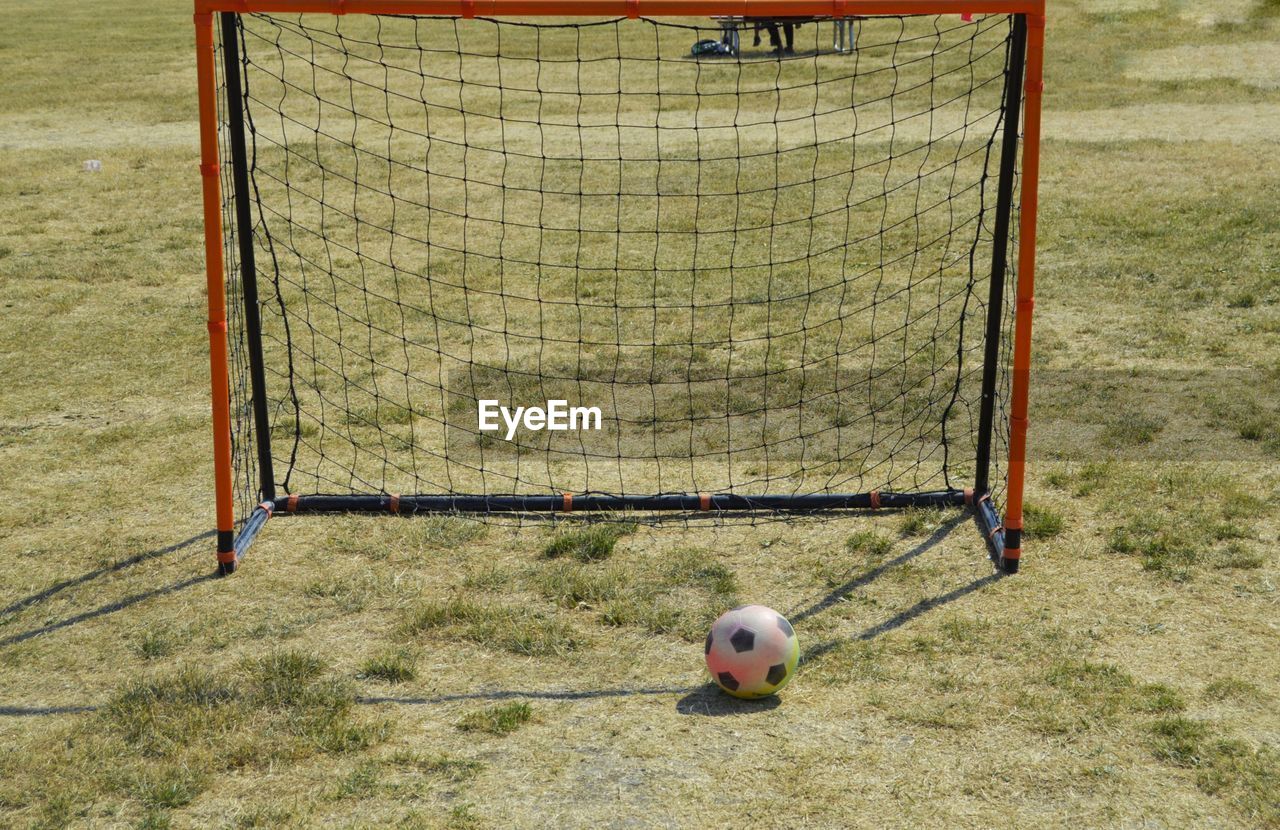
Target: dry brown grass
(1128,677)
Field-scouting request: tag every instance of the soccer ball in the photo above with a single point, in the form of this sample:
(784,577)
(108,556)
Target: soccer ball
(752,651)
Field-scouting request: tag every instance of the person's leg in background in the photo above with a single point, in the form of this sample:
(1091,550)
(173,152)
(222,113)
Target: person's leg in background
(774,40)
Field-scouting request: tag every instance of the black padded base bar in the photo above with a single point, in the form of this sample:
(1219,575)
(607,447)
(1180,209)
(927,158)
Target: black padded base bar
(584,502)
(989,521)
(987,517)
(257,520)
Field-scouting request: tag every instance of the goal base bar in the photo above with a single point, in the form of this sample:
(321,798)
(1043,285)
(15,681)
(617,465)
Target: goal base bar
(534,505)
(1005,558)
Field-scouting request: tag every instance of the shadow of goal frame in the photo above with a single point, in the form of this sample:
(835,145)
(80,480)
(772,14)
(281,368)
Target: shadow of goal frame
(247,419)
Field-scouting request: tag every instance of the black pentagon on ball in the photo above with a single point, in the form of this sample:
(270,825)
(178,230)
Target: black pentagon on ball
(744,639)
(776,674)
(706,649)
(727,680)
(786,626)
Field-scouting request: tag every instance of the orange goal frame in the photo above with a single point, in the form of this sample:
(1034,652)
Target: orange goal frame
(1005,535)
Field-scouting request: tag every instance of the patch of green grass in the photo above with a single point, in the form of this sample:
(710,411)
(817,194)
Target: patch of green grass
(1249,777)
(487,577)
(59,809)
(497,720)
(350,595)
(593,543)
(463,817)
(698,566)
(1157,697)
(172,734)
(1131,429)
(1040,522)
(573,586)
(869,544)
(920,521)
(168,786)
(1239,556)
(933,714)
(1179,521)
(452,770)
(265,816)
(360,782)
(530,635)
(502,628)
(1178,740)
(1087,680)
(964,635)
(282,678)
(1250,419)
(1262,428)
(432,615)
(1158,543)
(394,666)
(157,715)
(1244,299)
(1084,693)
(844,661)
(682,595)
(158,820)
(1190,523)
(155,643)
(1091,477)
(1233,689)
(1059,479)
(443,532)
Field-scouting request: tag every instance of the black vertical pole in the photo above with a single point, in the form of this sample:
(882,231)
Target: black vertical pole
(1000,249)
(244,236)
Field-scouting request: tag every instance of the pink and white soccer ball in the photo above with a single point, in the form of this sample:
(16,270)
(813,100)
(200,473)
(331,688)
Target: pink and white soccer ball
(752,651)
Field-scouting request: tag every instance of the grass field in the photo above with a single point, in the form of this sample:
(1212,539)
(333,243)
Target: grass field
(434,673)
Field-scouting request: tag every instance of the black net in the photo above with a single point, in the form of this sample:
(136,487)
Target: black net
(769,273)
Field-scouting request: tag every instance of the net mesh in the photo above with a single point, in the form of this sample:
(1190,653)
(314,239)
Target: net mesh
(769,273)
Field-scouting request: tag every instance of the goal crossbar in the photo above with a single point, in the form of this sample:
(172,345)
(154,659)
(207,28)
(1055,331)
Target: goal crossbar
(1021,130)
(625,8)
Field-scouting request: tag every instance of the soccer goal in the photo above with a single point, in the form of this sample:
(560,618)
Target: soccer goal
(545,258)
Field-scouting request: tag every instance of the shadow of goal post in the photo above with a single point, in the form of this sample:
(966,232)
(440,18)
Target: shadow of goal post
(222,113)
